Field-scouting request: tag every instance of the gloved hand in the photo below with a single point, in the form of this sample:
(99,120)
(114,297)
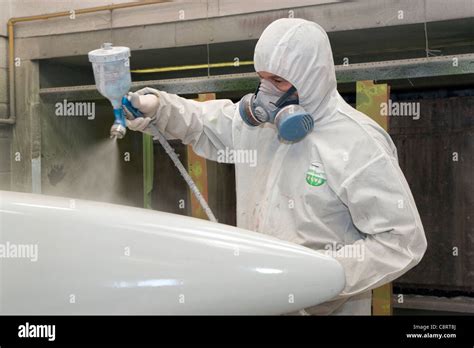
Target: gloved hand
(147,102)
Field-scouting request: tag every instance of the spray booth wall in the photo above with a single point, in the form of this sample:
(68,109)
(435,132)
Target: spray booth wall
(436,154)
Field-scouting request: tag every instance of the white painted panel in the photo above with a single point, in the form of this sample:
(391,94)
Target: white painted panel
(96,258)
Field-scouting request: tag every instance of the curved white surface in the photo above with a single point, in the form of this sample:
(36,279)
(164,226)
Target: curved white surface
(97,258)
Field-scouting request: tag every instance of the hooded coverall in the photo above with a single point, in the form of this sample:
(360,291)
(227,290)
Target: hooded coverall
(340,190)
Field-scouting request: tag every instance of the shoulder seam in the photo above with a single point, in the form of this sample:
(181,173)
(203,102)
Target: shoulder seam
(379,147)
(358,171)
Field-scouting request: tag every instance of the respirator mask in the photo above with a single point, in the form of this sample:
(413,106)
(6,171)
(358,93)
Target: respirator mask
(269,104)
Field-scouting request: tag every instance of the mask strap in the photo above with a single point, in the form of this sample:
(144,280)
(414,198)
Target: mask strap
(285,96)
(258,88)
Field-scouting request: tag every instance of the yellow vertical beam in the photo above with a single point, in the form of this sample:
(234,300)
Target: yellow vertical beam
(369,97)
(197,169)
(382,300)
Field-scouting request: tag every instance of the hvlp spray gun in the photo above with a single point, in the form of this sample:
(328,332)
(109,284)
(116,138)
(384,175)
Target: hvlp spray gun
(112,76)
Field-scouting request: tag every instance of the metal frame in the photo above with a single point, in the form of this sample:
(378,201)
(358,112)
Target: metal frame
(407,68)
(387,70)
(192,85)
(434,303)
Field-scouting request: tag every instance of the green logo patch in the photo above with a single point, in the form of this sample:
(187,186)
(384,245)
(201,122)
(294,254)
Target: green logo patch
(315,176)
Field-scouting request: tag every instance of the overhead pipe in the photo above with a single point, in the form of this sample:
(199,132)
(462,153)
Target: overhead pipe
(191,67)
(11,119)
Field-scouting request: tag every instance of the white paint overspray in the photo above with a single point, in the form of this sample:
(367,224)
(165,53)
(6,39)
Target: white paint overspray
(101,176)
(95,174)
(113,259)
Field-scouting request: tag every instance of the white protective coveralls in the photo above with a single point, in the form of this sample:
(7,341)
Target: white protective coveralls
(339,186)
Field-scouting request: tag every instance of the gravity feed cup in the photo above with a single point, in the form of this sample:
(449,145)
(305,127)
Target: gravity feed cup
(111,67)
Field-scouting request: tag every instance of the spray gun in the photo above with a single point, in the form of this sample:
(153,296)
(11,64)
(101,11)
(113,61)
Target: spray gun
(112,76)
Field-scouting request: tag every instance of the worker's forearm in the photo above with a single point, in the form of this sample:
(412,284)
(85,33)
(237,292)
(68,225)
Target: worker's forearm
(384,211)
(207,126)
(365,261)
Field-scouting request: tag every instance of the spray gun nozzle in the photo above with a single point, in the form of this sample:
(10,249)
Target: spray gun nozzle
(118,131)
(119,128)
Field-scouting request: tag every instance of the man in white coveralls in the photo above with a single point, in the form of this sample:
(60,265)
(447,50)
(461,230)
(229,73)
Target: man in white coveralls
(326,176)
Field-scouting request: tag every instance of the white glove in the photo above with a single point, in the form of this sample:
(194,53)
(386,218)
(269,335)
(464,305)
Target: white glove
(147,102)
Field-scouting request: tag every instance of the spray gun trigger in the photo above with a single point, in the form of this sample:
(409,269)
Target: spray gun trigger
(130,108)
